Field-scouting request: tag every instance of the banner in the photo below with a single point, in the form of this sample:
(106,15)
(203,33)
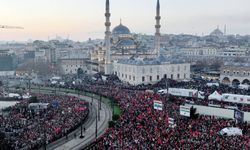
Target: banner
(238,115)
(158,105)
(185,111)
(171,122)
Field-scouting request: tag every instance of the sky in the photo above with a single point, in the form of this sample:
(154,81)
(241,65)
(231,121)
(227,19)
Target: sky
(82,19)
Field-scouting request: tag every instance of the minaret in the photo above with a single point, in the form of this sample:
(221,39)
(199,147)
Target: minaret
(225,30)
(107,33)
(157,28)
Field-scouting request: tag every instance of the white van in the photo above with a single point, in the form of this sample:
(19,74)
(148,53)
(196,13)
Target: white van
(163,91)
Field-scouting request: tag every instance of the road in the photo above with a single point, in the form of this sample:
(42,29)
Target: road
(76,143)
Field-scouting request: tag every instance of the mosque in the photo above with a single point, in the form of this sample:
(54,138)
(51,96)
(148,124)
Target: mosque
(121,54)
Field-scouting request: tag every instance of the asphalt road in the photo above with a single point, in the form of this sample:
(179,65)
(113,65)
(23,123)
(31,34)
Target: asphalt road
(76,143)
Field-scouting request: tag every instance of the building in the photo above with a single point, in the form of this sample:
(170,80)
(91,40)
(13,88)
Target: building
(73,65)
(214,53)
(149,68)
(8,63)
(235,74)
(119,43)
(148,71)
(217,32)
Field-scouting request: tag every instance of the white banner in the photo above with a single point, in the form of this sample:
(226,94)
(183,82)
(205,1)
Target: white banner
(185,111)
(158,105)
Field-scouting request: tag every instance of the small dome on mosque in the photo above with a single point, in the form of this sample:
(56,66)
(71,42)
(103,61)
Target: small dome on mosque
(121,29)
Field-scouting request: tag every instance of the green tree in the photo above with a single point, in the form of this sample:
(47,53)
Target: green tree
(33,99)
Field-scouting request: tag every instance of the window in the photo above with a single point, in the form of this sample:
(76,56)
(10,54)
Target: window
(151,70)
(178,76)
(129,77)
(185,67)
(126,76)
(143,79)
(172,76)
(122,75)
(134,78)
(158,77)
(172,68)
(237,72)
(143,70)
(184,76)
(165,76)
(150,78)
(224,71)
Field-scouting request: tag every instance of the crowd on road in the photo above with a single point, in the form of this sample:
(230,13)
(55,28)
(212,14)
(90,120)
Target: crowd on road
(24,127)
(142,127)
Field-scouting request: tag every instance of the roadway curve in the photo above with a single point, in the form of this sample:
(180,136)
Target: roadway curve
(75,143)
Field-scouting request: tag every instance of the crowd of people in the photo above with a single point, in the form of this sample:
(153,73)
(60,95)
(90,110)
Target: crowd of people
(23,127)
(142,127)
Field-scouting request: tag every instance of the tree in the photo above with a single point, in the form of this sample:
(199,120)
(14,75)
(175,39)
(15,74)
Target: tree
(115,117)
(80,72)
(33,99)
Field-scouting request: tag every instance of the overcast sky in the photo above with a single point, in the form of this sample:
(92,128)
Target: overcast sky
(83,19)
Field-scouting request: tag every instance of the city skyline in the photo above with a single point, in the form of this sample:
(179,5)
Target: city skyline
(80,20)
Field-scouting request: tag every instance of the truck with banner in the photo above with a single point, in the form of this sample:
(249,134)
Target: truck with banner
(235,98)
(186,93)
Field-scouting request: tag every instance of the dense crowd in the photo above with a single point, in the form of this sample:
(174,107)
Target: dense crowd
(142,127)
(29,128)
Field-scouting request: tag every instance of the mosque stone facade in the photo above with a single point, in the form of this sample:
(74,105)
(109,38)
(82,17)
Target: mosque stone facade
(122,55)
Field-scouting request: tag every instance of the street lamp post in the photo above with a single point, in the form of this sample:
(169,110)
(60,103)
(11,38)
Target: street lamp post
(100,102)
(39,86)
(29,85)
(96,126)
(45,137)
(112,105)
(92,98)
(81,136)
(98,109)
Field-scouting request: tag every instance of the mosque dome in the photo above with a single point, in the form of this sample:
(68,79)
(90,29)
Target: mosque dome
(121,29)
(126,42)
(217,32)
